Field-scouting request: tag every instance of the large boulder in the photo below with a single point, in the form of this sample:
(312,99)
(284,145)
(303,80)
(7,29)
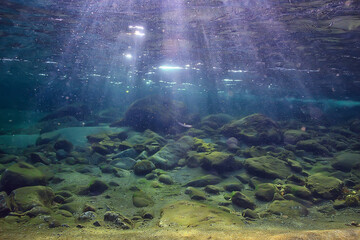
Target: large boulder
(168,156)
(293,136)
(268,167)
(25,198)
(204,181)
(20,175)
(346,161)
(220,161)
(288,208)
(324,186)
(160,114)
(78,111)
(255,129)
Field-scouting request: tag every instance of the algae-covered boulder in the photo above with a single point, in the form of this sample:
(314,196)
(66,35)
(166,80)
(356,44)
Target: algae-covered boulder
(324,186)
(97,187)
(255,129)
(168,156)
(241,200)
(313,147)
(298,191)
(294,136)
(289,208)
(26,198)
(20,175)
(204,181)
(220,162)
(268,167)
(141,199)
(195,194)
(265,191)
(346,161)
(143,167)
(157,113)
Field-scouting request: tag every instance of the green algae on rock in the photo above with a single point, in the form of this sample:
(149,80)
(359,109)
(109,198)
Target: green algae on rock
(267,166)
(323,186)
(25,198)
(289,208)
(20,175)
(255,129)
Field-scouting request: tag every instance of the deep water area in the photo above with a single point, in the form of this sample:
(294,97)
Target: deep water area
(180,119)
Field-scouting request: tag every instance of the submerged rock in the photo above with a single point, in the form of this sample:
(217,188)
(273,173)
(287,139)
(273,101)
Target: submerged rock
(26,198)
(294,136)
(78,111)
(195,194)
(97,187)
(204,181)
(63,144)
(346,161)
(268,167)
(289,208)
(20,175)
(313,147)
(171,153)
(220,162)
(160,114)
(216,121)
(265,191)
(255,129)
(4,204)
(143,167)
(241,200)
(141,199)
(324,186)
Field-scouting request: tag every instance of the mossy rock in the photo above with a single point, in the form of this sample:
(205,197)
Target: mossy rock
(168,156)
(164,178)
(313,147)
(20,175)
(288,208)
(255,129)
(195,194)
(324,186)
(190,214)
(216,121)
(204,181)
(265,191)
(201,146)
(194,159)
(8,158)
(268,167)
(212,189)
(25,198)
(346,161)
(234,186)
(254,151)
(251,214)
(298,191)
(95,138)
(294,136)
(241,200)
(142,199)
(143,167)
(100,149)
(295,165)
(73,207)
(220,161)
(4,204)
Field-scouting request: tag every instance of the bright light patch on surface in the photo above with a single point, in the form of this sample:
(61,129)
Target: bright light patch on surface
(170,68)
(138,33)
(237,71)
(128,56)
(136,27)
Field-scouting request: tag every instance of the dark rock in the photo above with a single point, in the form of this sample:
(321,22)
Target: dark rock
(295,179)
(160,114)
(294,165)
(98,148)
(39,157)
(97,224)
(168,156)
(96,159)
(20,175)
(195,194)
(80,112)
(339,204)
(5,159)
(25,198)
(355,126)
(204,181)
(64,145)
(141,199)
(267,166)
(4,204)
(47,138)
(220,162)
(143,167)
(97,187)
(212,189)
(241,200)
(59,199)
(230,187)
(255,129)
(128,153)
(265,192)
(96,138)
(61,154)
(54,224)
(324,186)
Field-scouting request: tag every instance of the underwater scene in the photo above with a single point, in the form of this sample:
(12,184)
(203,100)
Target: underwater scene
(180,119)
